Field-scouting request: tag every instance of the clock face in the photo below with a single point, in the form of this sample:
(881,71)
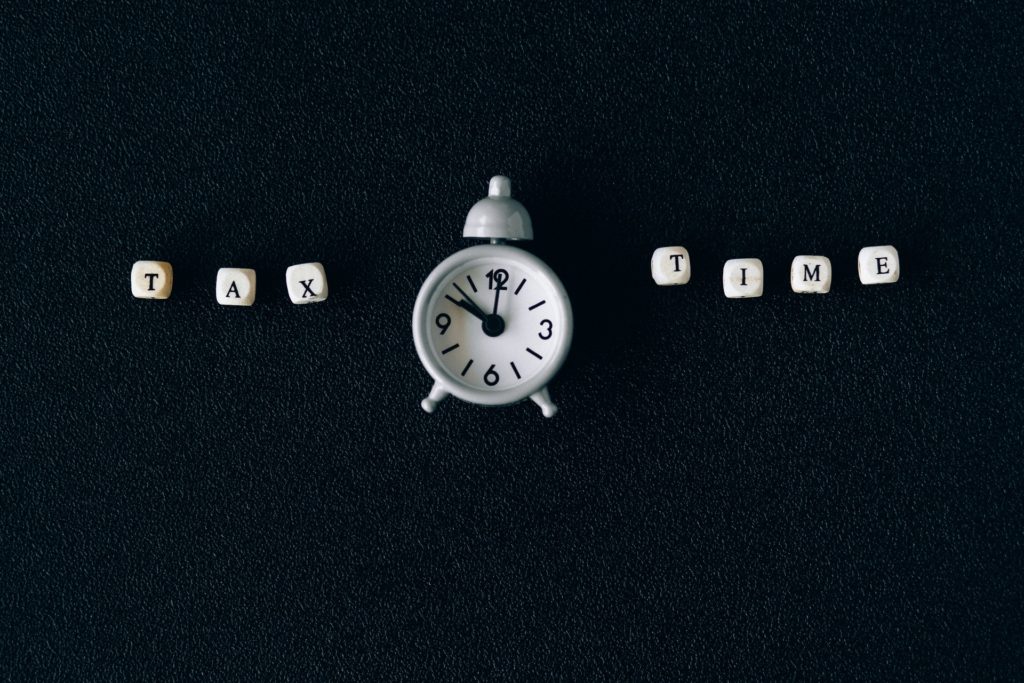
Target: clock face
(496,323)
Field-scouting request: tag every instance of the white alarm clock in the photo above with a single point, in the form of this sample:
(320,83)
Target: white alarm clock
(492,323)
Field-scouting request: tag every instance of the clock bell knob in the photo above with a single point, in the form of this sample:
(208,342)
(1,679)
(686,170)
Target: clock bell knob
(497,216)
(500,186)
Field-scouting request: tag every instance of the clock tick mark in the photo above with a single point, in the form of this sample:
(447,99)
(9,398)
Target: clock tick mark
(472,284)
(532,353)
(519,287)
(450,348)
(466,369)
(516,370)
(538,304)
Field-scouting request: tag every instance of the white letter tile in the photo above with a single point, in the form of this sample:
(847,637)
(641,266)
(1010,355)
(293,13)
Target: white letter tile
(236,286)
(670,266)
(743,278)
(152,279)
(878,265)
(307,283)
(811,275)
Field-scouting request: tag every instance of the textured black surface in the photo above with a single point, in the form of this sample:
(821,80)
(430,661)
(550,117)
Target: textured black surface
(796,485)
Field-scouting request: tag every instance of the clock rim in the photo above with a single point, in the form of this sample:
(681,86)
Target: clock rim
(421,325)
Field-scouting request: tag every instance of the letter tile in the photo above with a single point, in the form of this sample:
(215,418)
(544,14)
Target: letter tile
(236,286)
(670,266)
(743,278)
(878,265)
(307,283)
(811,275)
(152,279)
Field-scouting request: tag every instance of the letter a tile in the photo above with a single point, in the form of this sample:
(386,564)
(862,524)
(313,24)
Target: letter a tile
(236,286)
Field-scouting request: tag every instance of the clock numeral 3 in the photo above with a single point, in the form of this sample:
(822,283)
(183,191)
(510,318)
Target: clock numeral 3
(443,320)
(491,377)
(549,324)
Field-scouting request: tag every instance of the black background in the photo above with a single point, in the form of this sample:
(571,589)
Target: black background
(793,485)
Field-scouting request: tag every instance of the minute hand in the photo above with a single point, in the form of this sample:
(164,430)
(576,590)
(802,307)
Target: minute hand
(469,304)
(472,308)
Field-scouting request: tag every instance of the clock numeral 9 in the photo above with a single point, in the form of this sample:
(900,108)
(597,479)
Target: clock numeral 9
(491,377)
(547,322)
(443,320)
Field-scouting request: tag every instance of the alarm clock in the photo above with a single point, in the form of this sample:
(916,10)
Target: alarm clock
(492,323)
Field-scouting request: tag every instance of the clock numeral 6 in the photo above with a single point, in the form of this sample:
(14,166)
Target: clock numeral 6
(491,377)
(443,320)
(544,322)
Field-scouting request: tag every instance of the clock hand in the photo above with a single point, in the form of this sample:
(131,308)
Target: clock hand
(471,307)
(497,293)
(469,304)
(493,325)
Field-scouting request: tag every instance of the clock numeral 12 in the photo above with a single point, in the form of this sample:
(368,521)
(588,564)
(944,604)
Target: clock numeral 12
(496,279)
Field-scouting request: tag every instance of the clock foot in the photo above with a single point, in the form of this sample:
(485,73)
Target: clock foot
(543,399)
(437,394)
